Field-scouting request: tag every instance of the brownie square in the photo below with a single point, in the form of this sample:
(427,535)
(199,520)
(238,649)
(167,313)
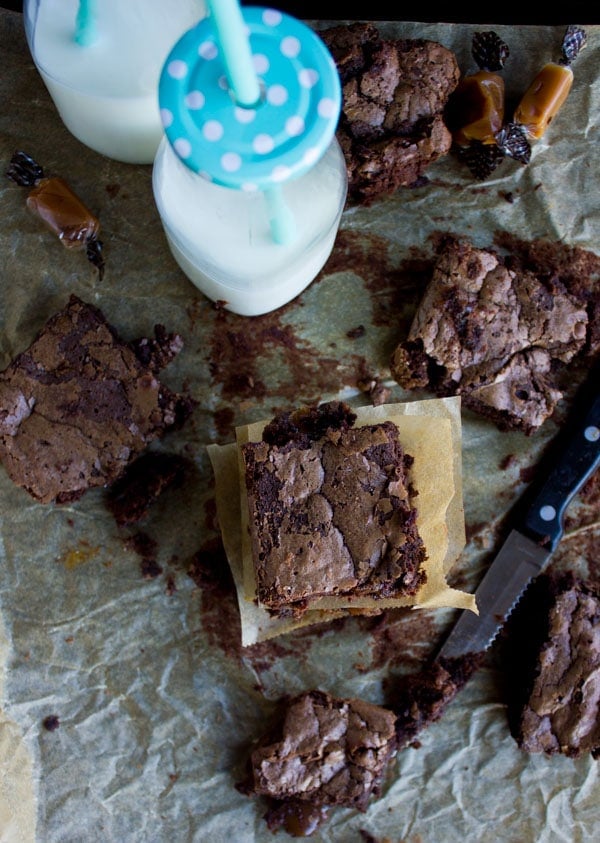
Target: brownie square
(330,510)
(554,675)
(80,404)
(325,751)
(492,334)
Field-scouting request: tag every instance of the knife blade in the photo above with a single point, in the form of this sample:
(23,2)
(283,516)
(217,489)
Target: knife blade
(536,531)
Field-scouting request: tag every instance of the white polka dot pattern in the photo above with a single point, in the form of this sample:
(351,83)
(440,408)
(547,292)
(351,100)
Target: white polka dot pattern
(280,137)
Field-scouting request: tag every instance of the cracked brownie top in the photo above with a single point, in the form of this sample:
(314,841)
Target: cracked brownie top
(80,403)
(559,711)
(327,750)
(330,511)
(394,95)
(492,334)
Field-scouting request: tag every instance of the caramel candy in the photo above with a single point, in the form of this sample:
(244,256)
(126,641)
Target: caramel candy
(544,98)
(63,212)
(475,113)
(479,100)
(59,208)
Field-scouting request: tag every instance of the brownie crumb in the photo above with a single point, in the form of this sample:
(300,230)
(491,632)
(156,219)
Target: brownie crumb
(171,587)
(356,333)
(51,722)
(143,482)
(421,698)
(146,547)
(150,569)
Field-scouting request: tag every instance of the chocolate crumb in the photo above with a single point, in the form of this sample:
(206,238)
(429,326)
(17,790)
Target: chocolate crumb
(356,333)
(143,482)
(146,547)
(421,699)
(150,569)
(507,462)
(51,722)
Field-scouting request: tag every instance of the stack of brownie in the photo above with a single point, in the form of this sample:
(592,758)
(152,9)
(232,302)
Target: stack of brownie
(330,511)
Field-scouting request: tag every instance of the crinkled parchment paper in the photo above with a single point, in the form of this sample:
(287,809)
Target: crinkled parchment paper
(155,701)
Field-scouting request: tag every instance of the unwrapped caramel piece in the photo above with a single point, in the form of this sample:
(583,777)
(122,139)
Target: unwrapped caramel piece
(480,101)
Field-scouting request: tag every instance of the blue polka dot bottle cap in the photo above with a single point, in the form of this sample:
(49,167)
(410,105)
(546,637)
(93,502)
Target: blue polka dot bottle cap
(255,148)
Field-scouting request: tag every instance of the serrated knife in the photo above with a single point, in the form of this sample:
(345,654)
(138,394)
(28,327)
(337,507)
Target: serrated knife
(536,530)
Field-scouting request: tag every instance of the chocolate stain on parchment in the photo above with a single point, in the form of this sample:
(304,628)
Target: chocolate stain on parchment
(238,345)
(395,288)
(219,614)
(147,549)
(399,638)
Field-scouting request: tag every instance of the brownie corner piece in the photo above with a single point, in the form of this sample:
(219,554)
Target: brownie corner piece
(78,405)
(493,332)
(332,515)
(324,751)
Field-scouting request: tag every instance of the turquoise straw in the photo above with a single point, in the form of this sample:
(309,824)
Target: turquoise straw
(86,31)
(237,58)
(281,219)
(236,53)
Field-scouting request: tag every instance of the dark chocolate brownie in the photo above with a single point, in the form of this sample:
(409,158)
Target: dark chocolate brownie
(492,334)
(79,405)
(552,654)
(324,751)
(142,483)
(330,510)
(394,95)
(419,699)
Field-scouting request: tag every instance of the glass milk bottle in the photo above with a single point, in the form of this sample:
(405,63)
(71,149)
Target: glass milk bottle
(251,197)
(101,61)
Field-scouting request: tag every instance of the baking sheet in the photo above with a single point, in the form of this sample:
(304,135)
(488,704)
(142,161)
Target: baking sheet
(155,699)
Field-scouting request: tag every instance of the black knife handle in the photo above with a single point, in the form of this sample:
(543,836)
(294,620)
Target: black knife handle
(573,464)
